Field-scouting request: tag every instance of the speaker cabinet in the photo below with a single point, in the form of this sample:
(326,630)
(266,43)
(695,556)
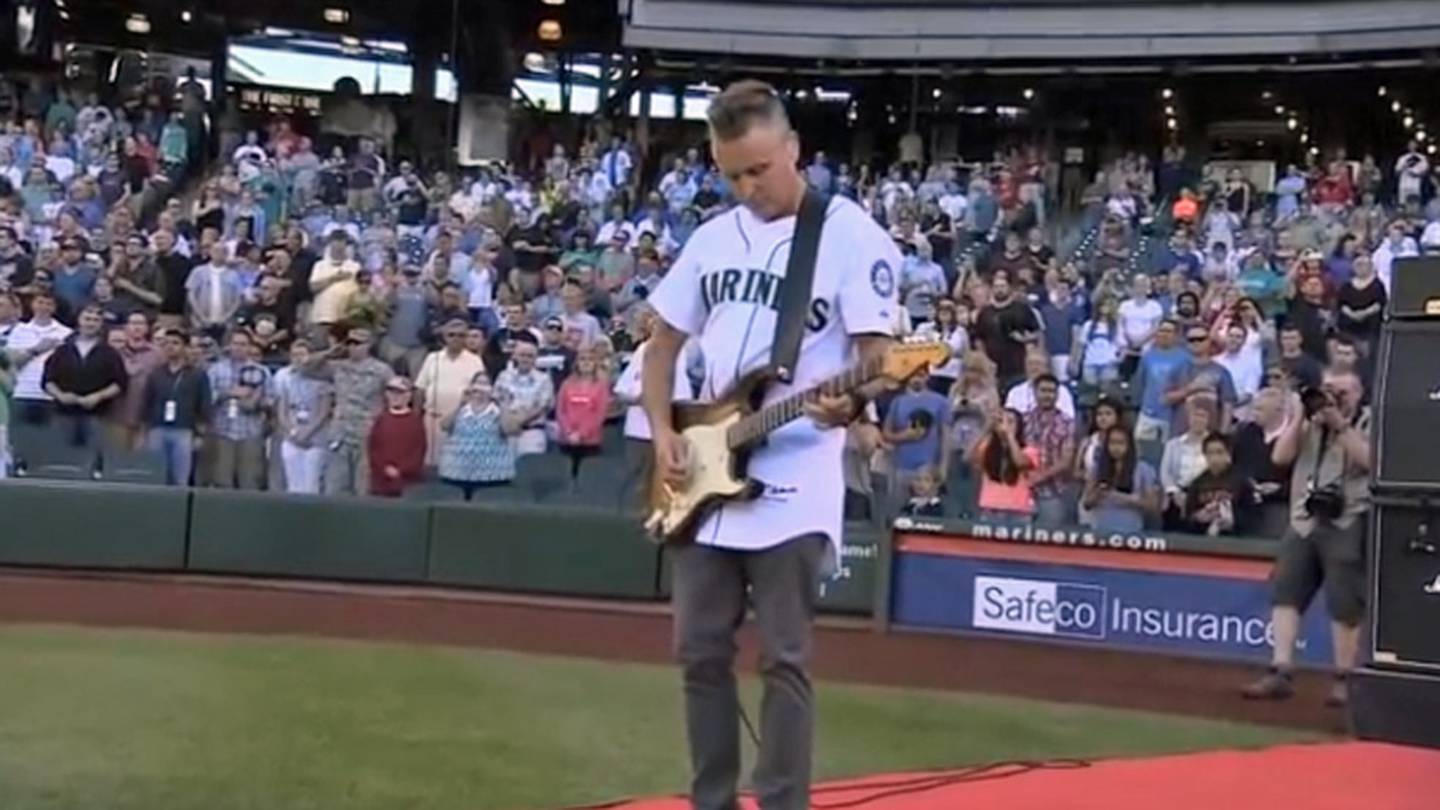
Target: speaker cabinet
(1405,586)
(1415,288)
(1406,407)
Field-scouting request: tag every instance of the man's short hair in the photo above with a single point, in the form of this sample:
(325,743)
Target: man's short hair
(737,108)
(92,309)
(1047,378)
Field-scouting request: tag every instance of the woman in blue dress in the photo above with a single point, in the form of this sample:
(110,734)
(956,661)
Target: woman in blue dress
(476,452)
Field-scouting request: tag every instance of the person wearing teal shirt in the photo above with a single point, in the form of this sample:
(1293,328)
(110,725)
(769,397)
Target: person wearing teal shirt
(174,143)
(1258,280)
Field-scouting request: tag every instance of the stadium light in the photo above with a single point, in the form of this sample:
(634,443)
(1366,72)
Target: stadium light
(1421,135)
(1314,150)
(936,93)
(1381,91)
(1432,149)
(1395,106)
(549,31)
(1167,93)
(553,2)
(1169,110)
(137,24)
(1291,123)
(1409,121)
(336,15)
(1279,109)
(1171,123)
(186,16)
(1029,93)
(1304,137)
(1266,96)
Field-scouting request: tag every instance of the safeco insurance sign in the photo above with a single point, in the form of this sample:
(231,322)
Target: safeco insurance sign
(1036,606)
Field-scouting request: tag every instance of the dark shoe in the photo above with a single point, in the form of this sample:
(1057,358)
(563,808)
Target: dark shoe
(1339,695)
(1274,685)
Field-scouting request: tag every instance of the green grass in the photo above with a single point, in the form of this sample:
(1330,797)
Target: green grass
(115,720)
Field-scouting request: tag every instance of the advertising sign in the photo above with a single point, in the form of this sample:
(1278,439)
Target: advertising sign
(1219,615)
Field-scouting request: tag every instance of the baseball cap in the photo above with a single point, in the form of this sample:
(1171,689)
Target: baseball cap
(553,322)
(398,383)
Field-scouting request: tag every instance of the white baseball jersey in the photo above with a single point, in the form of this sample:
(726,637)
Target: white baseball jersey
(725,290)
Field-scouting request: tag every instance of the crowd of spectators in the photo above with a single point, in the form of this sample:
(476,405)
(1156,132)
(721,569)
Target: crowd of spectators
(337,320)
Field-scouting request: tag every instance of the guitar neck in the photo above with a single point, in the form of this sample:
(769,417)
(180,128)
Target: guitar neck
(776,415)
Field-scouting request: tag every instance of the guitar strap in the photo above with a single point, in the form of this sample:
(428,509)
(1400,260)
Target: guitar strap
(796,289)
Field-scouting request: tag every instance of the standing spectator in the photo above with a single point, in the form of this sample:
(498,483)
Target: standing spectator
(1361,306)
(1245,364)
(75,277)
(477,450)
(1052,433)
(1201,376)
(576,317)
(947,329)
(1061,316)
(527,395)
(922,284)
(1184,456)
(443,377)
(332,282)
(84,376)
(1096,348)
(30,346)
(1139,316)
(1302,368)
(1310,313)
(1254,449)
(1024,397)
(214,293)
(396,442)
(1004,464)
(359,382)
(1220,500)
(1397,245)
(1410,171)
(1121,490)
(239,389)
(1004,328)
(1158,365)
(615,164)
(915,427)
(175,404)
(141,357)
(172,282)
(303,403)
(403,345)
(580,409)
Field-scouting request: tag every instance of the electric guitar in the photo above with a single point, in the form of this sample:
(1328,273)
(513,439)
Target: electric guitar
(721,435)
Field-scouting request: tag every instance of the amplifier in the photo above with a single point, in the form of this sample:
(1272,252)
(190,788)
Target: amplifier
(1406,407)
(1405,584)
(1415,288)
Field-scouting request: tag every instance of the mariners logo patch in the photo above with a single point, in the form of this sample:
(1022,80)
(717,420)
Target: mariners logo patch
(882,279)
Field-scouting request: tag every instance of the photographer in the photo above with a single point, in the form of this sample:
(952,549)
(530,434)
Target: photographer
(1329,496)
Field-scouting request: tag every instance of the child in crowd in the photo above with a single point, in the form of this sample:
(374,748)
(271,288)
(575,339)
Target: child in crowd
(925,494)
(580,409)
(1004,464)
(397,442)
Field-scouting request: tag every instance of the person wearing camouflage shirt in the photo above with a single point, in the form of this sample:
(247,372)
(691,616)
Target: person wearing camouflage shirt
(359,384)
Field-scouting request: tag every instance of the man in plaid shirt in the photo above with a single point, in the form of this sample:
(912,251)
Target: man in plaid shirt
(240,388)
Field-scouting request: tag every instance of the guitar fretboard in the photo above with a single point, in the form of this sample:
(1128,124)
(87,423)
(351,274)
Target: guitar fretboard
(782,412)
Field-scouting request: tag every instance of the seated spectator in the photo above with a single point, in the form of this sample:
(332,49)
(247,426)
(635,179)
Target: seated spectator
(1220,500)
(1003,464)
(476,449)
(396,443)
(1121,490)
(1184,456)
(924,497)
(1021,397)
(915,429)
(580,409)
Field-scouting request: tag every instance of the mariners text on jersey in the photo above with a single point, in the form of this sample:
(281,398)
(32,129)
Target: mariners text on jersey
(755,286)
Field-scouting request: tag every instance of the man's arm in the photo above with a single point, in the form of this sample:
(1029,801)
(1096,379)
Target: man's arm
(657,376)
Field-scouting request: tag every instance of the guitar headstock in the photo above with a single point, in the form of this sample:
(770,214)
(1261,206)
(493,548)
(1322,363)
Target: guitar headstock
(904,358)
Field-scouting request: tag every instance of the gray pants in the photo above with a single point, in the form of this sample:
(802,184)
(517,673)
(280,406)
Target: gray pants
(709,601)
(238,464)
(347,469)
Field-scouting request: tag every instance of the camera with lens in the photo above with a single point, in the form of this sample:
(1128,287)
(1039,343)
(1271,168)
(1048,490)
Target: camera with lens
(1314,400)
(1324,503)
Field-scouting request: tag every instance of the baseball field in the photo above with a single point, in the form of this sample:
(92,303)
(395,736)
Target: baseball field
(126,719)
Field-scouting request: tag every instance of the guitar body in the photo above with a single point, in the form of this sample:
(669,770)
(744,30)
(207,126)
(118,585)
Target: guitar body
(717,473)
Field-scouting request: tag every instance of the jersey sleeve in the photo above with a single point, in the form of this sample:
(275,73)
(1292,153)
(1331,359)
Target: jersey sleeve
(676,299)
(869,284)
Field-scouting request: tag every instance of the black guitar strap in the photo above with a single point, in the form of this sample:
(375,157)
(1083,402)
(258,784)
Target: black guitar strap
(799,281)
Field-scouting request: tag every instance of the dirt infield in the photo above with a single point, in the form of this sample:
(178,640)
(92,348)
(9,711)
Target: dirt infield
(846,650)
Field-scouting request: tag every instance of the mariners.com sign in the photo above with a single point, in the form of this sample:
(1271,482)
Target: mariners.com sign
(1082,538)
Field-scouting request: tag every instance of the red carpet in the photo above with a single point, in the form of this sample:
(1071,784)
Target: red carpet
(1339,776)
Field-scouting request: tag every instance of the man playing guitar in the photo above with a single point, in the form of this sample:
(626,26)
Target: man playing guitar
(724,291)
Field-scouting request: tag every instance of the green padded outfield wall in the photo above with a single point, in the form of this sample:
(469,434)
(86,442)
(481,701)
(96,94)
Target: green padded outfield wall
(308,536)
(532,548)
(88,525)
